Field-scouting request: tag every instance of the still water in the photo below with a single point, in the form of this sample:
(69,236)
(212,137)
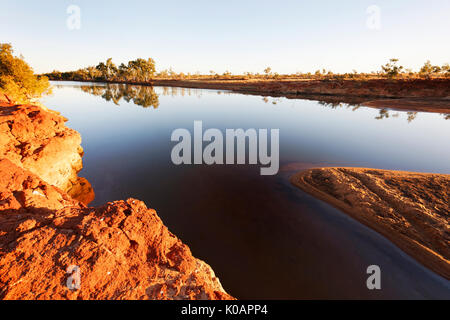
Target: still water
(264,238)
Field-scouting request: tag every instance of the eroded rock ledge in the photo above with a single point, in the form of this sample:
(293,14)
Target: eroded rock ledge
(38,140)
(410,209)
(123,249)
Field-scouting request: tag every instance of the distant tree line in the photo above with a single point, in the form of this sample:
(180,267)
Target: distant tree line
(143,71)
(139,70)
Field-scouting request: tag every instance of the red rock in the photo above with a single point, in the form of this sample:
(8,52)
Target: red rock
(123,249)
(37,139)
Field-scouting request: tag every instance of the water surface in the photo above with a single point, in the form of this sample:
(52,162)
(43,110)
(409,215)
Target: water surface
(263,237)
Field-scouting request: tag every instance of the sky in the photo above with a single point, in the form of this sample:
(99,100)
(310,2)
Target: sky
(237,36)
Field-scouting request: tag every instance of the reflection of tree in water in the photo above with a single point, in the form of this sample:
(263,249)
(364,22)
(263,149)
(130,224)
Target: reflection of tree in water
(332,105)
(144,96)
(411,116)
(175,91)
(384,114)
(339,104)
(275,101)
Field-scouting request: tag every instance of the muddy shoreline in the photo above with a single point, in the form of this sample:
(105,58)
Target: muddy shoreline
(410,209)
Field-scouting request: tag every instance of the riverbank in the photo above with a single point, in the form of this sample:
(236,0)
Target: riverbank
(425,95)
(410,209)
(122,249)
(408,95)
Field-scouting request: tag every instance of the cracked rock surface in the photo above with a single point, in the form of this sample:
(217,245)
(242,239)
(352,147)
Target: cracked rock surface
(123,250)
(38,140)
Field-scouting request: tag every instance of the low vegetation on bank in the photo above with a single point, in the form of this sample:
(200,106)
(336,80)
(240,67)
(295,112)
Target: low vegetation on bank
(17,79)
(142,70)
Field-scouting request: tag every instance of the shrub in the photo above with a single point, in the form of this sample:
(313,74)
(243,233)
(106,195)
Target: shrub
(391,70)
(17,79)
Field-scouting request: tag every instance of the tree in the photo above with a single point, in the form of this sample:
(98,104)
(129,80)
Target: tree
(92,73)
(111,69)
(142,70)
(391,70)
(123,72)
(17,79)
(103,70)
(446,69)
(427,68)
(107,69)
(267,71)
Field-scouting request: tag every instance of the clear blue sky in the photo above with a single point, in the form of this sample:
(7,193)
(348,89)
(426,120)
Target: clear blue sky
(245,35)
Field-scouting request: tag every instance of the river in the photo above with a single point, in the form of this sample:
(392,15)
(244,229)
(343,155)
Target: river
(264,238)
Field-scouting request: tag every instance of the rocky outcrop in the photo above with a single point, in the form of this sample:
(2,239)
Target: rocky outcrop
(4,99)
(119,251)
(410,209)
(122,249)
(38,140)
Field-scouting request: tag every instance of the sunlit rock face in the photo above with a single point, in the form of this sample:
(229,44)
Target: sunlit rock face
(37,139)
(122,250)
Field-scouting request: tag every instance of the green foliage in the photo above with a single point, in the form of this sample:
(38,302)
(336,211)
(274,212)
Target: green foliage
(17,79)
(143,71)
(428,69)
(391,70)
(268,72)
(139,70)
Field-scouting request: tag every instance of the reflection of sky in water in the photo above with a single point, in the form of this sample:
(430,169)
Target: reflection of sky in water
(309,132)
(263,237)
